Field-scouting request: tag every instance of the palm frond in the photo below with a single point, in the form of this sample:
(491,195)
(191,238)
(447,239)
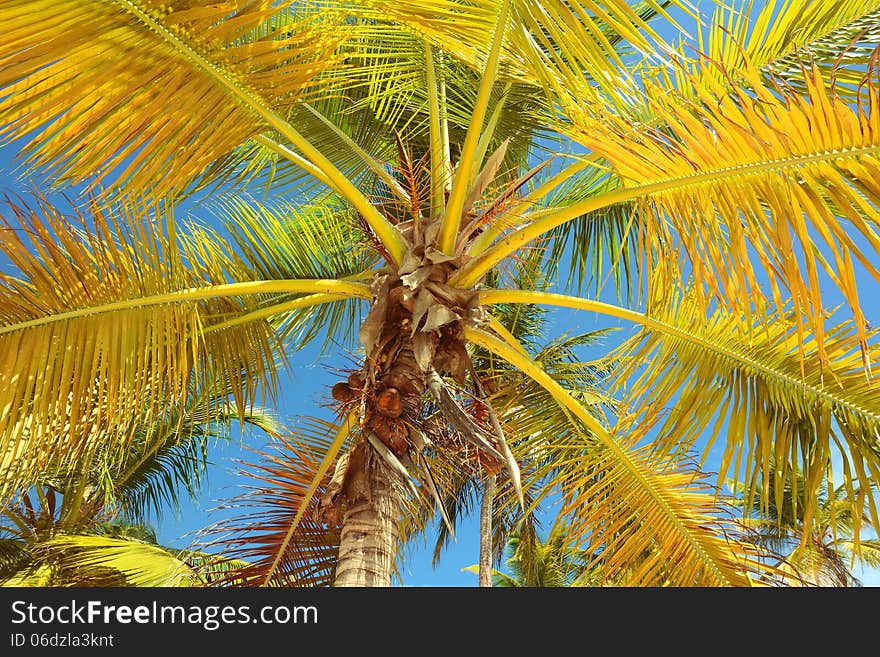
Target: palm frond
(30,576)
(256,534)
(868,551)
(785,35)
(210,569)
(652,501)
(14,556)
(231,66)
(550,39)
(600,247)
(782,181)
(762,384)
(90,352)
(552,562)
(652,521)
(157,472)
(85,560)
(256,166)
(284,241)
(354,126)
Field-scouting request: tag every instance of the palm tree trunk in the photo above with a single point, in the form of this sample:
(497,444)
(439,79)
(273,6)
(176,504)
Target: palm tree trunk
(486,531)
(368,545)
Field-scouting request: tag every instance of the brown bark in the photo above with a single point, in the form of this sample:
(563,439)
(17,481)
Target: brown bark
(368,546)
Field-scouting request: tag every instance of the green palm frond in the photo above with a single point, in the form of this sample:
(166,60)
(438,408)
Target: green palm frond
(125,530)
(211,569)
(285,241)
(829,543)
(525,322)
(528,567)
(387,85)
(163,460)
(782,503)
(552,562)
(157,471)
(257,166)
(818,565)
(598,249)
(92,548)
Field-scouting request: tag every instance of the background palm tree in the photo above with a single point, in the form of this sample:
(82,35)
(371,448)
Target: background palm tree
(553,562)
(824,554)
(731,190)
(91,527)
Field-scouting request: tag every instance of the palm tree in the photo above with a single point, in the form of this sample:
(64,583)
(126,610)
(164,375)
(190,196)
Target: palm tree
(280,478)
(553,562)
(730,194)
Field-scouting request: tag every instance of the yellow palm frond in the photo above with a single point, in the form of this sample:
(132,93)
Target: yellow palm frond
(652,521)
(760,374)
(86,560)
(785,34)
(654,513)
(37,576)
(100,80)
(545,42)
(745,181)
(64,380)
(109,327)
(763,388)
(754,185)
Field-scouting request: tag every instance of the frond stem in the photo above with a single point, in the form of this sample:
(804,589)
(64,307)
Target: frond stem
(490,297)
(439,158)
(316,286)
